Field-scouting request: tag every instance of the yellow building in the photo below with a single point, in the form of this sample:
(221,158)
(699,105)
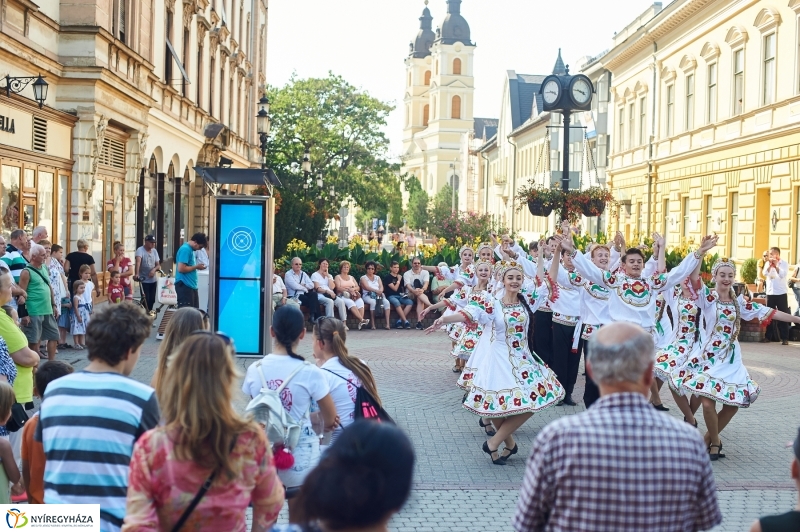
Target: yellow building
(705,135)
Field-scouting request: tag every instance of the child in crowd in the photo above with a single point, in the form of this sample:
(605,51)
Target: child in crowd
(32,451)
(80,313)
(116,292)
(10,471)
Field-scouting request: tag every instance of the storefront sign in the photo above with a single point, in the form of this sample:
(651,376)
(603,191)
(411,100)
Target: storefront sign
(7,124)
(16,128)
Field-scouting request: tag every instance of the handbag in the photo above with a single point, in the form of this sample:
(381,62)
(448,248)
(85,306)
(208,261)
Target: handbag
(199,496)
(18,418)
(167,295)
(366,407)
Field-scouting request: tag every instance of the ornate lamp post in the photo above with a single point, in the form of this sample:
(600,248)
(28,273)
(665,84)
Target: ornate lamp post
(565,94)
(17,85)
(263,126)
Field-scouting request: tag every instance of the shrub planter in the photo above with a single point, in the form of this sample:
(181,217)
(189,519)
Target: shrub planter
(539,208)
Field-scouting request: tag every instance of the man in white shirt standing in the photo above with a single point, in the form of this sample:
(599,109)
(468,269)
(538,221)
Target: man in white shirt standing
(775,272)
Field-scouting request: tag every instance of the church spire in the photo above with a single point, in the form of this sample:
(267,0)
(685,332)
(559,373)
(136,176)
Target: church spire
(455,28)
(425,37)
(560,69)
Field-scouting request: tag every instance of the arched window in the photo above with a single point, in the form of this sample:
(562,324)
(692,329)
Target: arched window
(427,77)
(426,111)
(455,111)
(457,67)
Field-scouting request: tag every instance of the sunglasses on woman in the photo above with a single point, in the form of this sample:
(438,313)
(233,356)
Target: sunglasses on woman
(224,337)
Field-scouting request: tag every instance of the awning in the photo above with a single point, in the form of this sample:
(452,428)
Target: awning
(238,176)
(178,61)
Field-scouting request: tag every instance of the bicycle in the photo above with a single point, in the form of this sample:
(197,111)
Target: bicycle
(142,301)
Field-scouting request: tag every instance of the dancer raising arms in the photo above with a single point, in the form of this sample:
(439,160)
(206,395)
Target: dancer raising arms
(718,375)
(512,383)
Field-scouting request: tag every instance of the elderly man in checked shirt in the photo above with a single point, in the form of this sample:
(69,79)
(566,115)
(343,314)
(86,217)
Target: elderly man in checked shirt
(621,466)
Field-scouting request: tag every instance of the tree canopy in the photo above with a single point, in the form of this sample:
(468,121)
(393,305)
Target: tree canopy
(342,127)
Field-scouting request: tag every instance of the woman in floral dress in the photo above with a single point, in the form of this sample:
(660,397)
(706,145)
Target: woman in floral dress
(512,382)
(718,374)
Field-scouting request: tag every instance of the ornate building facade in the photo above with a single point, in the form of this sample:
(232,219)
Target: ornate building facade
(706,129)
(140,91)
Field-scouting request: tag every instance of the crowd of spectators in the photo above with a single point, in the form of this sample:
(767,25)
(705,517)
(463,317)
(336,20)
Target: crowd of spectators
(320,293)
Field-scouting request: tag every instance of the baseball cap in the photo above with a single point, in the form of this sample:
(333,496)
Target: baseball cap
(150,238)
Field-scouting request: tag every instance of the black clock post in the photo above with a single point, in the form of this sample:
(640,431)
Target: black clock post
(564,93)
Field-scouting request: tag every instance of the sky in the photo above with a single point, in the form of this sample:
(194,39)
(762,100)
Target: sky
(366,42)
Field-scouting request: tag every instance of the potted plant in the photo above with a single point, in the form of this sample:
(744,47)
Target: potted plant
(749,272)
(541,200)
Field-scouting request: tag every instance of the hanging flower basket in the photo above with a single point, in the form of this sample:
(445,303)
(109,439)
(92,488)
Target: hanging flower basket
(542,201)
(540,208)
(593,207)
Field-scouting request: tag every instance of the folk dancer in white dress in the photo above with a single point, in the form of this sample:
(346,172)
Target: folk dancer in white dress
(632,297)
(683,345)
(462,275)
(718,374)
(464,348)
(512,383)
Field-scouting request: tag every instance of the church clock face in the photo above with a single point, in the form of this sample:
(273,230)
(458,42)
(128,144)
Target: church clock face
(551,92)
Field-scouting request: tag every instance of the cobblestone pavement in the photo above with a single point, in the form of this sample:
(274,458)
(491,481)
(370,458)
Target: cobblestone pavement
(457,487)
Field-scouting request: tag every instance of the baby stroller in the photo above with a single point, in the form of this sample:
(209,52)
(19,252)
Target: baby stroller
(152,312)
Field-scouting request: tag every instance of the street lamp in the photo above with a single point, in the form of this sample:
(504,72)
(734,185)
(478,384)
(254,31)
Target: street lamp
(17,85)
(319,179)
(263,126)
(453,182)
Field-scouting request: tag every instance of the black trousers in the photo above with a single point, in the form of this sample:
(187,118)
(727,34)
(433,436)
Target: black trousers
(187,297)
(543,335)
(149,290)
(778,330)
(591,393)
(565,362)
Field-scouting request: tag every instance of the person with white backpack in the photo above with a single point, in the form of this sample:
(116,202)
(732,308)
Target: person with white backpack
(298,383)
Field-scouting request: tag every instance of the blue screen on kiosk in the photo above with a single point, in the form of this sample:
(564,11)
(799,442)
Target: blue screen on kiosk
(241,255)
(240,313)
(241,241)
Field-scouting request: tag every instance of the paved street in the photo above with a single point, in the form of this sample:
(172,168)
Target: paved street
(457,487)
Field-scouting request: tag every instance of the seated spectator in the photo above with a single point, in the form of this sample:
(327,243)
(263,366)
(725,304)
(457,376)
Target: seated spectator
(184,322)
(395,291)
(612,466)
(103,400)
(202,440)
(439,284)
(279,293)
(307,385)
(325,287)
(416,280)
(300,289)
(373,291)
(32,451)
(347,290)
(790,521)
(363,479)
(343,372)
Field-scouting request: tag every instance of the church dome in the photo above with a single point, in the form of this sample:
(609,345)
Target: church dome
(455,28)
(425,37)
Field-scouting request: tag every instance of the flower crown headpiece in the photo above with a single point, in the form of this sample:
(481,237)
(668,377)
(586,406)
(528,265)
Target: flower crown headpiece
(480,262)
(508,265)
(464,248)
(724,261)
(484,245)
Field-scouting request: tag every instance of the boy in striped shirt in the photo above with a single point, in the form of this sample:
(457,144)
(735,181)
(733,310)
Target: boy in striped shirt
(90,420)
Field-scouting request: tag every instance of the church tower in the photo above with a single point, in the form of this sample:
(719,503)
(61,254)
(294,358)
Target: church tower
(439,99)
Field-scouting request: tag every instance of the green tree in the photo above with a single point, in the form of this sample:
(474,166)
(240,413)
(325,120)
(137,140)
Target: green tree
(441,208)
(342,126)
(417,210)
